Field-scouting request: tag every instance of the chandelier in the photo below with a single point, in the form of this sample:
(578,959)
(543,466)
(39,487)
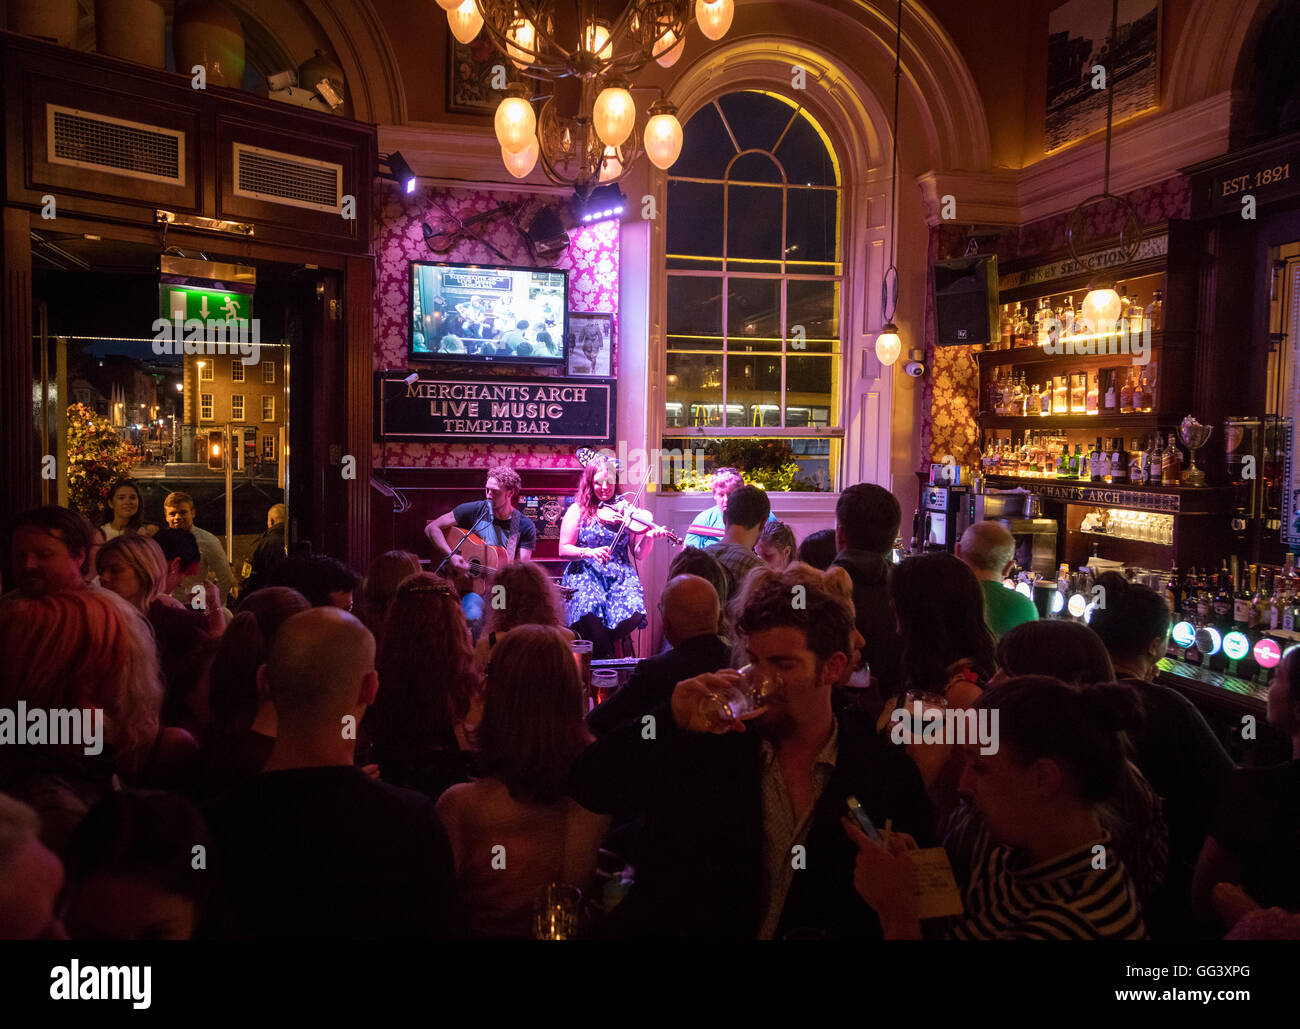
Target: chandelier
(586,52)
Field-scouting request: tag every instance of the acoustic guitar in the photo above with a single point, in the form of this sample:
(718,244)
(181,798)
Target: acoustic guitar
(484,559)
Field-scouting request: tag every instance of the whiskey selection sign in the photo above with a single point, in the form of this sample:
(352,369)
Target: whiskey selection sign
(541,410)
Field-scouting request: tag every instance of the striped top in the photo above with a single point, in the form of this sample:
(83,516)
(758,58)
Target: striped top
(1064,898)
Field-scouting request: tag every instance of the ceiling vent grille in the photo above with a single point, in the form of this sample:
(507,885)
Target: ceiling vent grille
(288,179)
(85,139)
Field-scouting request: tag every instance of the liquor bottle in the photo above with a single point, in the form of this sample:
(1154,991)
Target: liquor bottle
(1155,313)
(1135,464)
(1265,607)
(1141,399)
(1221,606)
(1090,399)
(1017,404)
(1045,400)
(1203,598)
(1062,466)
(1177,593)
(1105,461)
(1171,464)
(1125,311)
(1290,611)
(1152,475)
(1040,323)
(1067,319)
(1023,337)
(1243,604)
(1078,392)
(1094,462)
(1022,408)
(1111,404)
(1118,461)
(1060,395)
(1126,396)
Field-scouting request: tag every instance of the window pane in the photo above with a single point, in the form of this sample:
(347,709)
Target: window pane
(754,222)
(814,456)
(753,388)
(756,119)
(694,313)
(811,225)
(816,307)
(694,219)
(706,147)
(694,390)
(755,168)
(804,156)
(810,386)
(753,314)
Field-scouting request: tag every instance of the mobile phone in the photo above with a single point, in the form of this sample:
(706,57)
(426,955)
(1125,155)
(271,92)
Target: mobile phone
(859,815)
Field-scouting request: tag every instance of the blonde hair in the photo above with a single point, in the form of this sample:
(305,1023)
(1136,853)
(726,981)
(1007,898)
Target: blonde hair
(82,648)
(145,558)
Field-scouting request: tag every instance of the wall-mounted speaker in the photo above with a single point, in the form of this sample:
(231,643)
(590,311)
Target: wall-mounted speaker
(966,301)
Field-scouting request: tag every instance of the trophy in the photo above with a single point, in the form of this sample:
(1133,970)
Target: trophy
(1194,435)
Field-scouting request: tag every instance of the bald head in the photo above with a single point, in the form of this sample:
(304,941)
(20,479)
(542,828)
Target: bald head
(691,608)
(320,668)
(276,514)
(987,547)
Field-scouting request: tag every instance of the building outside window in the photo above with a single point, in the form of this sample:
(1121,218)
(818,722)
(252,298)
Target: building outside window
(236,407)
(268,371)
(205,407)
(206,371)
(268,447)
(268,409)
(754,286)
(236,370)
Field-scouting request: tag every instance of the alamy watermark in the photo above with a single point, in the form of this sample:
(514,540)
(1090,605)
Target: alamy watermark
(229,336)
(958,727)
(64,727)
(664,467)
(1132,342)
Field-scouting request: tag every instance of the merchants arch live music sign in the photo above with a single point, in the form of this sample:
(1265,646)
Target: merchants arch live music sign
(541,410)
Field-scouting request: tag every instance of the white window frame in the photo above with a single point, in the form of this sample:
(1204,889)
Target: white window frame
(237,407)
(207,371)
(265,416)
(268,447)
(206,401)
(268,372)
(236,370)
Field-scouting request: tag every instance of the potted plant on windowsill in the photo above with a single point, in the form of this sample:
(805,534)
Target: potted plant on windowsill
(768,464)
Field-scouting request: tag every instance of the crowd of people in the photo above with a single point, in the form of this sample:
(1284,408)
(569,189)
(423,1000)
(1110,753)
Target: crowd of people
(291,765)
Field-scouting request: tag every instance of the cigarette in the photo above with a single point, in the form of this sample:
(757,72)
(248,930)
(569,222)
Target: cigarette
(884,837)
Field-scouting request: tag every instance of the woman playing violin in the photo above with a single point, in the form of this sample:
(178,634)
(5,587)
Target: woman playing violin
(608,603)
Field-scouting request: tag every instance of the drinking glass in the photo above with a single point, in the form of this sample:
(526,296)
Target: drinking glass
(555,912)
(582,655)
(742,699)
(604,681)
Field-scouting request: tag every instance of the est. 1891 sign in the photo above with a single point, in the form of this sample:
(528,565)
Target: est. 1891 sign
(550,410)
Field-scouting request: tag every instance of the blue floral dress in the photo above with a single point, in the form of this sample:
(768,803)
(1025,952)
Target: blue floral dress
(611,590)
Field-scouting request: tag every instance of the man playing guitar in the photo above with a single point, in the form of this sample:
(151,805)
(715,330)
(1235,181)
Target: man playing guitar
(496,520)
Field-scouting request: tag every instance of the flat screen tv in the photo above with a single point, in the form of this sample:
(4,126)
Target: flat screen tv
(471,313)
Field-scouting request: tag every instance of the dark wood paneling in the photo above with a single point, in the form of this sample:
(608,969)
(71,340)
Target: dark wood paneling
(20,484)
(358,298)
(36,72)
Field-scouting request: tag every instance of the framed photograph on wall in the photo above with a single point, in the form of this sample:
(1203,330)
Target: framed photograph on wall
(469,76)
(591,343)
(1077,43)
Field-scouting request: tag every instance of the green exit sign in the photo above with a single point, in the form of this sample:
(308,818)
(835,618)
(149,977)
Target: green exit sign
(206,305)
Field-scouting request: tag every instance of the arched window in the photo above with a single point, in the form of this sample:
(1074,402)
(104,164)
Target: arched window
(754,283)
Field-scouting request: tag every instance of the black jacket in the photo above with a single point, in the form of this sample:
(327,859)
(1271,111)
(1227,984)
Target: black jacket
(875,615)
(267,552)
(653,680)
(701,873)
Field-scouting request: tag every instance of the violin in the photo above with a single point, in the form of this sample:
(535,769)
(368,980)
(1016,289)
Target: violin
(624,516)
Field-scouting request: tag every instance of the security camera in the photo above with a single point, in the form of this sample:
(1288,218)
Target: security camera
(914,368)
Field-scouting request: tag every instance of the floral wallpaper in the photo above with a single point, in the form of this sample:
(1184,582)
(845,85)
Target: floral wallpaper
(592,261)
(950,396)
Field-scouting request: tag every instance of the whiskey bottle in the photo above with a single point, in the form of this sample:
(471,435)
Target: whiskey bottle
(1171,464)
(1094,462)
(1135,464)
(1155,313)
(1111,404)
(1118,462)
(1126,396)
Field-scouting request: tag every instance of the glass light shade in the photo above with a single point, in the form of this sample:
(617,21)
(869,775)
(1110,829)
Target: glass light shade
(1101,308)
(523,34)
(714,16)
(448,5)
(663,140)
(888,345)
(515,123)
(521,164)
(465,21)
(612,167)
(614,115)
(669,50)
(596,39)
